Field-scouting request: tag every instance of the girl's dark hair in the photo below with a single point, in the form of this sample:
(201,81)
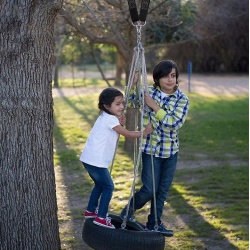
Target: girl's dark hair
(163,68)
(106,97)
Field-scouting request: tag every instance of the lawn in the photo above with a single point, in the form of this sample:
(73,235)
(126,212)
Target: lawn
(207,205)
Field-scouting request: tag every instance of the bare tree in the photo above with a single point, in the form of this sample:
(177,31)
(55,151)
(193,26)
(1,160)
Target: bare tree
(28,208)
(221,30)
(223,27)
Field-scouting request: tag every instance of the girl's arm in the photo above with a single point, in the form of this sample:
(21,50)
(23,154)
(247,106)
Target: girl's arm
(133,134)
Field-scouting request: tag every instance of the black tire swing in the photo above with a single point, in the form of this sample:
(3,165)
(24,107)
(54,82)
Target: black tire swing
(128,234)
(101,238)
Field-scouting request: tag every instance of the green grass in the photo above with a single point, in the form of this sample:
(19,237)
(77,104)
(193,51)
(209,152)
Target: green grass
(217,126)
(207,206)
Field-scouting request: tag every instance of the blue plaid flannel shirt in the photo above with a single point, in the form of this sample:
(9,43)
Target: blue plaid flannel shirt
(166,122)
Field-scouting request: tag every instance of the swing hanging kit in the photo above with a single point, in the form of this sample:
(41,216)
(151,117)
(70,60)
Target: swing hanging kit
(143,11)
(138,65)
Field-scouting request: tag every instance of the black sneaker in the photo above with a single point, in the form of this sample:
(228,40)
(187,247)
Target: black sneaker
(130,214)
(161,228)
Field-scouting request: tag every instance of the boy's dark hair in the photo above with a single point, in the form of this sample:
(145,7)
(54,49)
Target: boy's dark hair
(106,97)
(163,68)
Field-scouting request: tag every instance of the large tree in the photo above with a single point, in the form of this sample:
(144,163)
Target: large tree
(28,208)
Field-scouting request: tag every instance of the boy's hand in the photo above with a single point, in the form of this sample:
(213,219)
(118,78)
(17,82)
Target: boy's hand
(151,102)
(135,80)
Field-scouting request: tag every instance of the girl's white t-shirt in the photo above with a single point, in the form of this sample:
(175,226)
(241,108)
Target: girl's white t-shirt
(100,145)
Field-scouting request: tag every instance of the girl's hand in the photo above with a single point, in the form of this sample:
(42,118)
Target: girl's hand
(122,119)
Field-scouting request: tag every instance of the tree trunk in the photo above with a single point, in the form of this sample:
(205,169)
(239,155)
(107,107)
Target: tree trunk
(119,69)
(132,123)
(28,209)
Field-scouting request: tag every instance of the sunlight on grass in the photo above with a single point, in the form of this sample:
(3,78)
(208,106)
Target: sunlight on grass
(213,203)
(64,216)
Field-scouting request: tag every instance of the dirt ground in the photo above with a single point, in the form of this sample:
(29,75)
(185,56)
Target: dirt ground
(202,84)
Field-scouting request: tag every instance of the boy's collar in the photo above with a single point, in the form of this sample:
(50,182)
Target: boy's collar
(173,94)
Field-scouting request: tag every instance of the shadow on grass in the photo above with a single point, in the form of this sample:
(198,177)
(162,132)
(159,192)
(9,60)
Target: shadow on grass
(83,112)
(75,182)
(201,231)
(219,196)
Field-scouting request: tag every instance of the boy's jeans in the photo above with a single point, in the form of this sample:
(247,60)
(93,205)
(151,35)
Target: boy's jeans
(164,169)
(103,189)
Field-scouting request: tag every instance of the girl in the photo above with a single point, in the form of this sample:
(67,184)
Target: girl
(169,108)
(99,151)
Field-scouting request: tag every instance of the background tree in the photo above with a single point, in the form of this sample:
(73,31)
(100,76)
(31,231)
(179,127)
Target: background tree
(109,22)
(59,43)
(28,209)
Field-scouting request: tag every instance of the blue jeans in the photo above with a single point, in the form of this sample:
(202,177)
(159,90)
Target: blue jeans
(102,190)
(164,169)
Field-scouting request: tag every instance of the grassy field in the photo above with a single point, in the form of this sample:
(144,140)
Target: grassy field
(207,205)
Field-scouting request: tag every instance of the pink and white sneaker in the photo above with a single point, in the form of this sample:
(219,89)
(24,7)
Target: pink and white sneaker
(88,214)
(104,222)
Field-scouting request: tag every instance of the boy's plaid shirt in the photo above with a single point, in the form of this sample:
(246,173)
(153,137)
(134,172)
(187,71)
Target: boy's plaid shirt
(166,122)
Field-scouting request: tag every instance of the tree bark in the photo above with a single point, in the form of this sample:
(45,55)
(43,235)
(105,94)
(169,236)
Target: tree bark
(28,208)
(132,123)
